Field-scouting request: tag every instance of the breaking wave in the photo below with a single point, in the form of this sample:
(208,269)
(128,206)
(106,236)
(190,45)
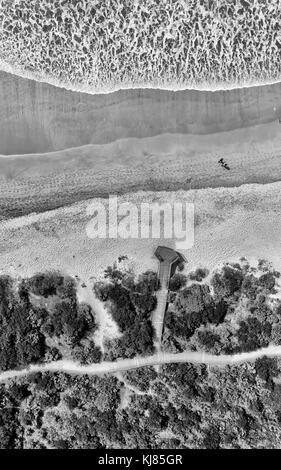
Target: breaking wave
(96,46)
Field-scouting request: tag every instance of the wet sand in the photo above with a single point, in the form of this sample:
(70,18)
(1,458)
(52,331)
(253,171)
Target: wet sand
(40,182)
(38,118)
(63,146)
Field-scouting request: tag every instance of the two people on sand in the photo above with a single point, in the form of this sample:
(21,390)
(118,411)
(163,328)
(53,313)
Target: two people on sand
(222,163)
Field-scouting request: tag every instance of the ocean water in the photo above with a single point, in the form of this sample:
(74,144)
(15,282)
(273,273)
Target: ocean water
(101,46)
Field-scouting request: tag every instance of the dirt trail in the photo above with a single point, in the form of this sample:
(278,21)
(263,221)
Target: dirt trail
(107,327)
(156,359)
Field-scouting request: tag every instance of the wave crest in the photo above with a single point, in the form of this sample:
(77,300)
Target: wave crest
(97,46)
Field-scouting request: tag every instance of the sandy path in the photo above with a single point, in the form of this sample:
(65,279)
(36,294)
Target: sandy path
(107,328)
(157,359)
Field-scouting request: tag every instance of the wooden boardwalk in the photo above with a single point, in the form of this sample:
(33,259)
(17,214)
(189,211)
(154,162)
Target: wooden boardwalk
(162,300)
(167,257)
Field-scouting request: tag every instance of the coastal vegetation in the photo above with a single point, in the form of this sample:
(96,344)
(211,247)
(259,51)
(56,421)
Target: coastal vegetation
(41,320)
(231,310)
(235,310)
(131,302)
(182,406)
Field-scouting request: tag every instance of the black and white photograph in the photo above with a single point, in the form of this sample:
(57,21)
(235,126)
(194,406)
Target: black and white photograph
(140,227)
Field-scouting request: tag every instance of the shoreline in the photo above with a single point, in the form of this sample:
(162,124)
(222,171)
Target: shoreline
(45,78)
(37,117)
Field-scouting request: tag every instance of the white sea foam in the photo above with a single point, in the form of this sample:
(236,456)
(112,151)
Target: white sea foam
(100,47)
(157,85)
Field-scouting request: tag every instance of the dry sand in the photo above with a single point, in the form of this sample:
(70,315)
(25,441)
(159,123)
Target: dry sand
(230,223)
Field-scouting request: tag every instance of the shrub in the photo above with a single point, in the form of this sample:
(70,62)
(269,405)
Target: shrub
(253,334)
(121,307)
(177,282)
(227,282)
(180,266)
(250,286)
(136,340)
(194,299)
(199,274)
(70,321)
(87,354)
(21,341)
(113,273)
(144,304)
(141,378)
(217,314)
(208,339)
(67,290)
(148,282)
(266,368)
(267,281)
(45,284)
(212,439)
(129,301)
(102,290)
(184,326)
